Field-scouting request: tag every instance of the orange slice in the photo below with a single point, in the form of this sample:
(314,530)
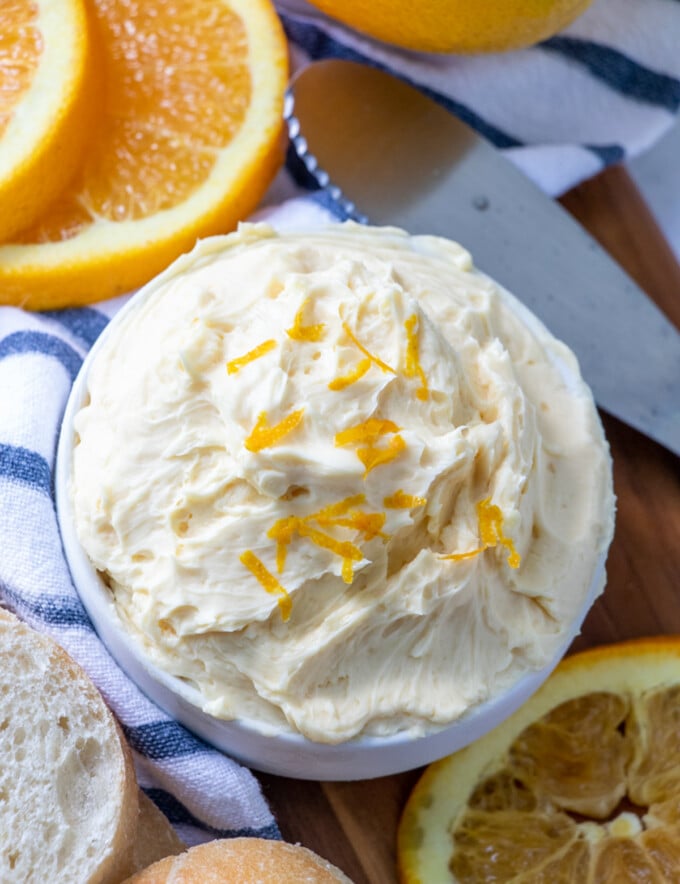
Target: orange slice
(45,102)
(581,784)
(189,137)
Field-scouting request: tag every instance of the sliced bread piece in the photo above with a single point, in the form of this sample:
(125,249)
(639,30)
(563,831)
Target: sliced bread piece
(68,794)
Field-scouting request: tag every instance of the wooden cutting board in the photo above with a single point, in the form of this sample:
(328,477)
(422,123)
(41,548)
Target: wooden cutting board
(354,824)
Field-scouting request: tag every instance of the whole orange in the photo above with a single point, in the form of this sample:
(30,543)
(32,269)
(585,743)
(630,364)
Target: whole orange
(456,25)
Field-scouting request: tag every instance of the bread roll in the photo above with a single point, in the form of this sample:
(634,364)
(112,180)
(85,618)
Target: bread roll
(242,861)
(68,795)
(155,836)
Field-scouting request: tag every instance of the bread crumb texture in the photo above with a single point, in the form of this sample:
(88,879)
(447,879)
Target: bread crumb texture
(68,797)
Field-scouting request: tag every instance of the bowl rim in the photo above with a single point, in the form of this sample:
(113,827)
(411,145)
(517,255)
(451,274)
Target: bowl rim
(248,741)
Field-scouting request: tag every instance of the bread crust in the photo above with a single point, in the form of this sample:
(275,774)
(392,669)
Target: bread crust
(116,862)
(243,861)
(99,761)
(155,837)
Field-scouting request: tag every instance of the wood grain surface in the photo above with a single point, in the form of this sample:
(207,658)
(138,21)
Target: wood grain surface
(354,824)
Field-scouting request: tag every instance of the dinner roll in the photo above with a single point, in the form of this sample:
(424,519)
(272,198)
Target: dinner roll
(155,836)
(242,861)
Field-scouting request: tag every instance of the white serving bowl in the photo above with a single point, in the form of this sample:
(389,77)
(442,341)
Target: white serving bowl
(291,755)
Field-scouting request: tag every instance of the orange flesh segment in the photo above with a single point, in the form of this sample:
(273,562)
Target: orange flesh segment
(582,757)
(264,436)
(555,755)
(174,99)
(268,581)
(235,365)
(300,332)
(413,367)
(20,47)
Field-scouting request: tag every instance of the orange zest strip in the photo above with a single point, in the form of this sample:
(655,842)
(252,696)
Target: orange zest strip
(348,551)
(369,524)
(491,530)
(235,365)
(300,332)
(368,431)
(382,365)
(339,508)
(284,530)
(268,581)
(373,457)
(459,557)
(490,520)
(413,367)
(264,436)
(351,377)
(343,515)
(401,501)
(347,571)
(342,548)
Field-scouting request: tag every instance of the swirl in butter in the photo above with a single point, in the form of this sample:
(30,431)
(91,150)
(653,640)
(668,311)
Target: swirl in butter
(340,482)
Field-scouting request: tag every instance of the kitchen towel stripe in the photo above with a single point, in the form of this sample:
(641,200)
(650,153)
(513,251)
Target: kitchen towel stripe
(620,72)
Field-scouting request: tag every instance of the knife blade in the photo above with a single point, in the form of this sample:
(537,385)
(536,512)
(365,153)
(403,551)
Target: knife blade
(388,154)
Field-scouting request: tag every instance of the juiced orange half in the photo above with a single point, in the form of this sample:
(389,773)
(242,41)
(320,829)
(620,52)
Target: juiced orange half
(582,784)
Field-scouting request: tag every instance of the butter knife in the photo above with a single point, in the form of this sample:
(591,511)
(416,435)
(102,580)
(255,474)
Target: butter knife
(386,153)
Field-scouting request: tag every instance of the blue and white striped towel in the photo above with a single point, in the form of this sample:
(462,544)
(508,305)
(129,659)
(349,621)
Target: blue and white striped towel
(203,793)
(603,90)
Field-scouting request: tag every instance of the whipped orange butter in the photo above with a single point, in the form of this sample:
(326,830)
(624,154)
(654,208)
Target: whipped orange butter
(339,481)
